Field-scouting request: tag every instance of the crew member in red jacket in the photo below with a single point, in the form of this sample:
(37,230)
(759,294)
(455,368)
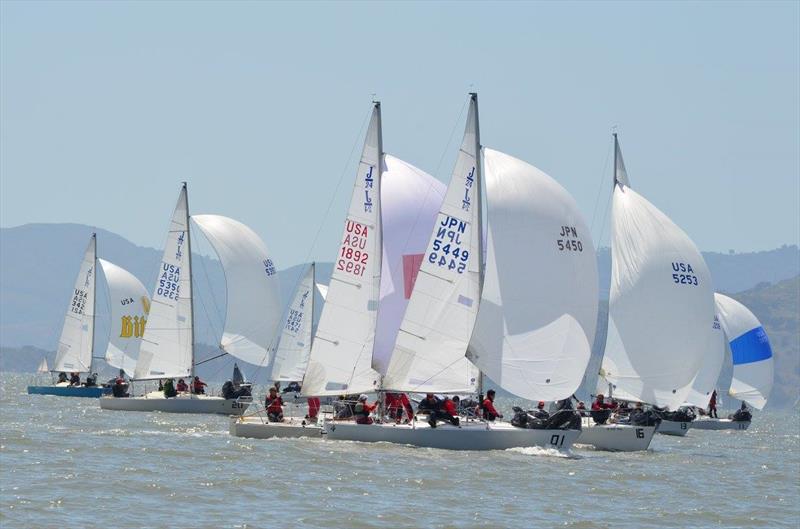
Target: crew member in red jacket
(363,409)
(198,386)
(488,409)
(182,386)
(274,405)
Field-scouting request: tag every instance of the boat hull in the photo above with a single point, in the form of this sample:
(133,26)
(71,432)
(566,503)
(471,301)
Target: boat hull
(720,424)
(676,428)
(256,427)
(617,437)
(179,404)
(470,436)
(92,392)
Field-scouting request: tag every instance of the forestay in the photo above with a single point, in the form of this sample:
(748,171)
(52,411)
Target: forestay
(713,357)
(341,355)
(410,202)
(254,306)
(166,350)
(750,350)
(129,304)
(74,351)
(435,331)
(661,306)
(291,356)
(538,309)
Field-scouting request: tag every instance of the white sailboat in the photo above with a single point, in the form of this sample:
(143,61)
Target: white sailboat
(253,311)
(751,356)
(42,368)
(530,335)
(128,302)
(660,320)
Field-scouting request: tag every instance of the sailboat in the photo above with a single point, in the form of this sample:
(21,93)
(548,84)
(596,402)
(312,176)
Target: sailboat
(660,318)
(129,305)
(289,364)
(751,355)
(507,317)
(42,368)
(252,313)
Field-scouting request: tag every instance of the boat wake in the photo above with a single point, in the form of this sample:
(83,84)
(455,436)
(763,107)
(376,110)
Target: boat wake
(539,451)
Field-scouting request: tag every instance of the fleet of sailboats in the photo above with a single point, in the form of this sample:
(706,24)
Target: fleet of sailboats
(434,290)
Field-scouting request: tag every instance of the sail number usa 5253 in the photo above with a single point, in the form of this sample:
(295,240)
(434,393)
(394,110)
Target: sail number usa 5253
(684,274)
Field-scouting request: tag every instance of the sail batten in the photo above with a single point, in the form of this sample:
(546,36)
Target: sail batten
(75,344)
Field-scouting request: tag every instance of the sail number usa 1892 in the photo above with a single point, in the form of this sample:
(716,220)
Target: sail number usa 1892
(684,274)
(353,255)
(447,251)
(569,241)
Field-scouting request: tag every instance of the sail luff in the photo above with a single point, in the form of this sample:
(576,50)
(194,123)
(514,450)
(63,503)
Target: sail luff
(94,301)
(191,282)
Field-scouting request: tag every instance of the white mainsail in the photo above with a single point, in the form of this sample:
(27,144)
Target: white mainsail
(77,336)
(294,348)
(166,350)
(750,351)
(661,306)
(410,202)
(129,304)
(254,306)
(440,316)
(43,366)
(538,310)
(713,357)
(341,355)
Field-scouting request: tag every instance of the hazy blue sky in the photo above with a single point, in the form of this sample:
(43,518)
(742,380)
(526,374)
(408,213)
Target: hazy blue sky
(106,106)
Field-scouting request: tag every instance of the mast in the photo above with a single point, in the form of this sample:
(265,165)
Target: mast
(379,231)
(313,295)
(478,196)
(94,299)
(191,283)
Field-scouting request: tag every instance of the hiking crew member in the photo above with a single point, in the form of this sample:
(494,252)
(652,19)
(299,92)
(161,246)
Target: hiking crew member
(169,389)
(182,386)
(488,409)
(712,405)
(75,379)
(274,405)
(198,386)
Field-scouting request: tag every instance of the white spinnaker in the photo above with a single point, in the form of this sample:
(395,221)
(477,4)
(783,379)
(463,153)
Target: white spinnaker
(661,306)
(254,307)
(538,310)
(410,202)
(74,351)
(294,348)
(166,350)
(129,307)
(706,380)
(341,354)
(435,331)
(750,350)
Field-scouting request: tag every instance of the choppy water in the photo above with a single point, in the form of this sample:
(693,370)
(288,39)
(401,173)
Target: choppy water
(66,463)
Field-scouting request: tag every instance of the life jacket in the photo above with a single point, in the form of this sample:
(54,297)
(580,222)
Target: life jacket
(275,405)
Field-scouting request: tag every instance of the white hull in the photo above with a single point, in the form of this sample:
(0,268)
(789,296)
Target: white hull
(679,429)
(617,437)
(470,436)
(183,403)
(256,427)
(719,424)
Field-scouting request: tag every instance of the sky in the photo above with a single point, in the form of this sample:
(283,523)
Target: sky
(105,107)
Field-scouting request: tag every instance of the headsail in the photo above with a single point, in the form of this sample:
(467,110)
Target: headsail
(538,310)
(341,355)
(661,306)
(129,307)
(410,201)
(254,306)
(750,350)
(166,350)
(294,348)
(436,329)
(713,357)
(74,351)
